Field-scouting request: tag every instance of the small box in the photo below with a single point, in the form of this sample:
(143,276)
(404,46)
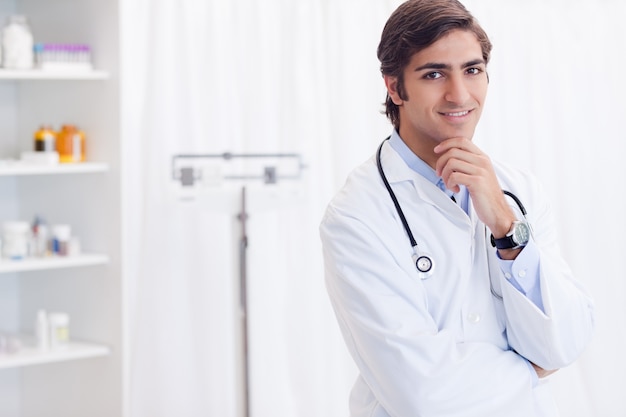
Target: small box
(40,158)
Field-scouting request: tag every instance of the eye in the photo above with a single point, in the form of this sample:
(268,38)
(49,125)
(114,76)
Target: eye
(474,71)
(433,75)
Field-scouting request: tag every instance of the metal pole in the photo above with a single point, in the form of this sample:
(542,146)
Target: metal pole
(243,303)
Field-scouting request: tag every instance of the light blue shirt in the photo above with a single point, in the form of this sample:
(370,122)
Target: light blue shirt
(523,272)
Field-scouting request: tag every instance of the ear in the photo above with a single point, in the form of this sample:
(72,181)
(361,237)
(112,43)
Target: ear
(392,89)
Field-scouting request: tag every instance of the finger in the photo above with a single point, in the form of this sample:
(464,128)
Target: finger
(458,172)
(456,154)
(541,372)
(445,158)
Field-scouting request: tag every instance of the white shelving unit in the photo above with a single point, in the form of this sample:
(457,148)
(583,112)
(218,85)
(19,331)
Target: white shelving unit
(35,74)
(30,355)
(43,264)
(16,168)
(87,196)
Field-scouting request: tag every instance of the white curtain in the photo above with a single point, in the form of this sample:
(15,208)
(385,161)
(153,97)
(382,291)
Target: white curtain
(302,76)
(556,106)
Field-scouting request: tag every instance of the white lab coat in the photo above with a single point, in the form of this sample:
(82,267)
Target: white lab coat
(444,346)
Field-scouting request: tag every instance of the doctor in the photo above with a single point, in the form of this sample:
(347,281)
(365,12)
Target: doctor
(453,299)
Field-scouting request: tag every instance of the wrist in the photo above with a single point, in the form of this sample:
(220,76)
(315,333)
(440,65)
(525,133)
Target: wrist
(516,238)
(502,227)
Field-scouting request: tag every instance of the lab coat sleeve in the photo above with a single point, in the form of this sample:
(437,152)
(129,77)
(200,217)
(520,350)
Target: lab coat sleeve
(555,337)
(412,367)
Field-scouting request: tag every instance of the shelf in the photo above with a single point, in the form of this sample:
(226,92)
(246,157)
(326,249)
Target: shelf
(38,264)
(35,74)
(30,355)
(18,168)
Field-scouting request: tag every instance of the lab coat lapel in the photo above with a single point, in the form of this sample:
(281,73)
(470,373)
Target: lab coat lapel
(397,171)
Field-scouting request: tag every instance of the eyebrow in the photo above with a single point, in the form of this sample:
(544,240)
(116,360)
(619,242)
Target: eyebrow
(439,66)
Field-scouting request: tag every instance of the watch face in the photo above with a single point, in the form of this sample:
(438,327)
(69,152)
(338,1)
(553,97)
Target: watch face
(521,234)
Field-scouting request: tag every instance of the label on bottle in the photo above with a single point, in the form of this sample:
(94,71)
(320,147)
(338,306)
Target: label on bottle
(76,148)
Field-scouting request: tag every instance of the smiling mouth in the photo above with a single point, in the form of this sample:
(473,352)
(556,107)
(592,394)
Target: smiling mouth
(457,114)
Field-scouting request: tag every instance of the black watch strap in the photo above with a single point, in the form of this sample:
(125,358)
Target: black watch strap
(505,242)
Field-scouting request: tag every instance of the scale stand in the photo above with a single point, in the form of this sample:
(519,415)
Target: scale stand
(195,174)
(243,301)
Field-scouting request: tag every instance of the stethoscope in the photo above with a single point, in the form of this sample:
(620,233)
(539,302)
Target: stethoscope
(423,261)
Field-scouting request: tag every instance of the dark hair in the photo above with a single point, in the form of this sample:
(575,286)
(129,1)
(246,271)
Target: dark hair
(415,25)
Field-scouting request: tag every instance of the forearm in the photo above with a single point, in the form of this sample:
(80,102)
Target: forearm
(556,338)
(549,316)
(435,375)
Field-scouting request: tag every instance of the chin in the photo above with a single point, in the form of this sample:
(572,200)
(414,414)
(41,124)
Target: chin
(468,131)
(465,133)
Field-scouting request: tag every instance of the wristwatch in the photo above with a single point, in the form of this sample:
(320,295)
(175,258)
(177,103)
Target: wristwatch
(516,238)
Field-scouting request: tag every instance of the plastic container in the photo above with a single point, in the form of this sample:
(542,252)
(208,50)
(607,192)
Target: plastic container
(73,247)
(45,139)
(40,238)
(61,235)
(59,329)
(62,56)
(70,144)
(17,44)
(15,237)
(42,330)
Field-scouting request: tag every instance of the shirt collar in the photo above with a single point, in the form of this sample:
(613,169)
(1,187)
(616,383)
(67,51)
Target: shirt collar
(415,162)
(421,167)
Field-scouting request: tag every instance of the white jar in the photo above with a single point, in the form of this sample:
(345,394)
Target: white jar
(17,44)
(15,238)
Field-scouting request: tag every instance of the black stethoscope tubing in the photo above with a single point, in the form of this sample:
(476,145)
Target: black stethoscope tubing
(393,195)
(429,262)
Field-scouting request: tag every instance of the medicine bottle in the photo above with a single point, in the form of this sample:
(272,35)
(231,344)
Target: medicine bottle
(70,144)
(42,330)
(59,329)
(61,235)
(17,44)
(45,139)
(40,238)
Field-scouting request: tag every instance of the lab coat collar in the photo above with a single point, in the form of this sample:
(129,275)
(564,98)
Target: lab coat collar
(396,171)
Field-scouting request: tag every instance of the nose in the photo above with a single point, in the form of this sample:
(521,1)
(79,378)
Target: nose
(457,90)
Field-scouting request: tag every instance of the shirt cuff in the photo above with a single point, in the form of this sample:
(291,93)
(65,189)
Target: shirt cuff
(523,273)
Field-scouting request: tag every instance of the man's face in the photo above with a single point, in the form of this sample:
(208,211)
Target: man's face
(445,87)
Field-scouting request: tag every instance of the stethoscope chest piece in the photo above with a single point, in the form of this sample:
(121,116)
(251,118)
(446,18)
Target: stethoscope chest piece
(424,264)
